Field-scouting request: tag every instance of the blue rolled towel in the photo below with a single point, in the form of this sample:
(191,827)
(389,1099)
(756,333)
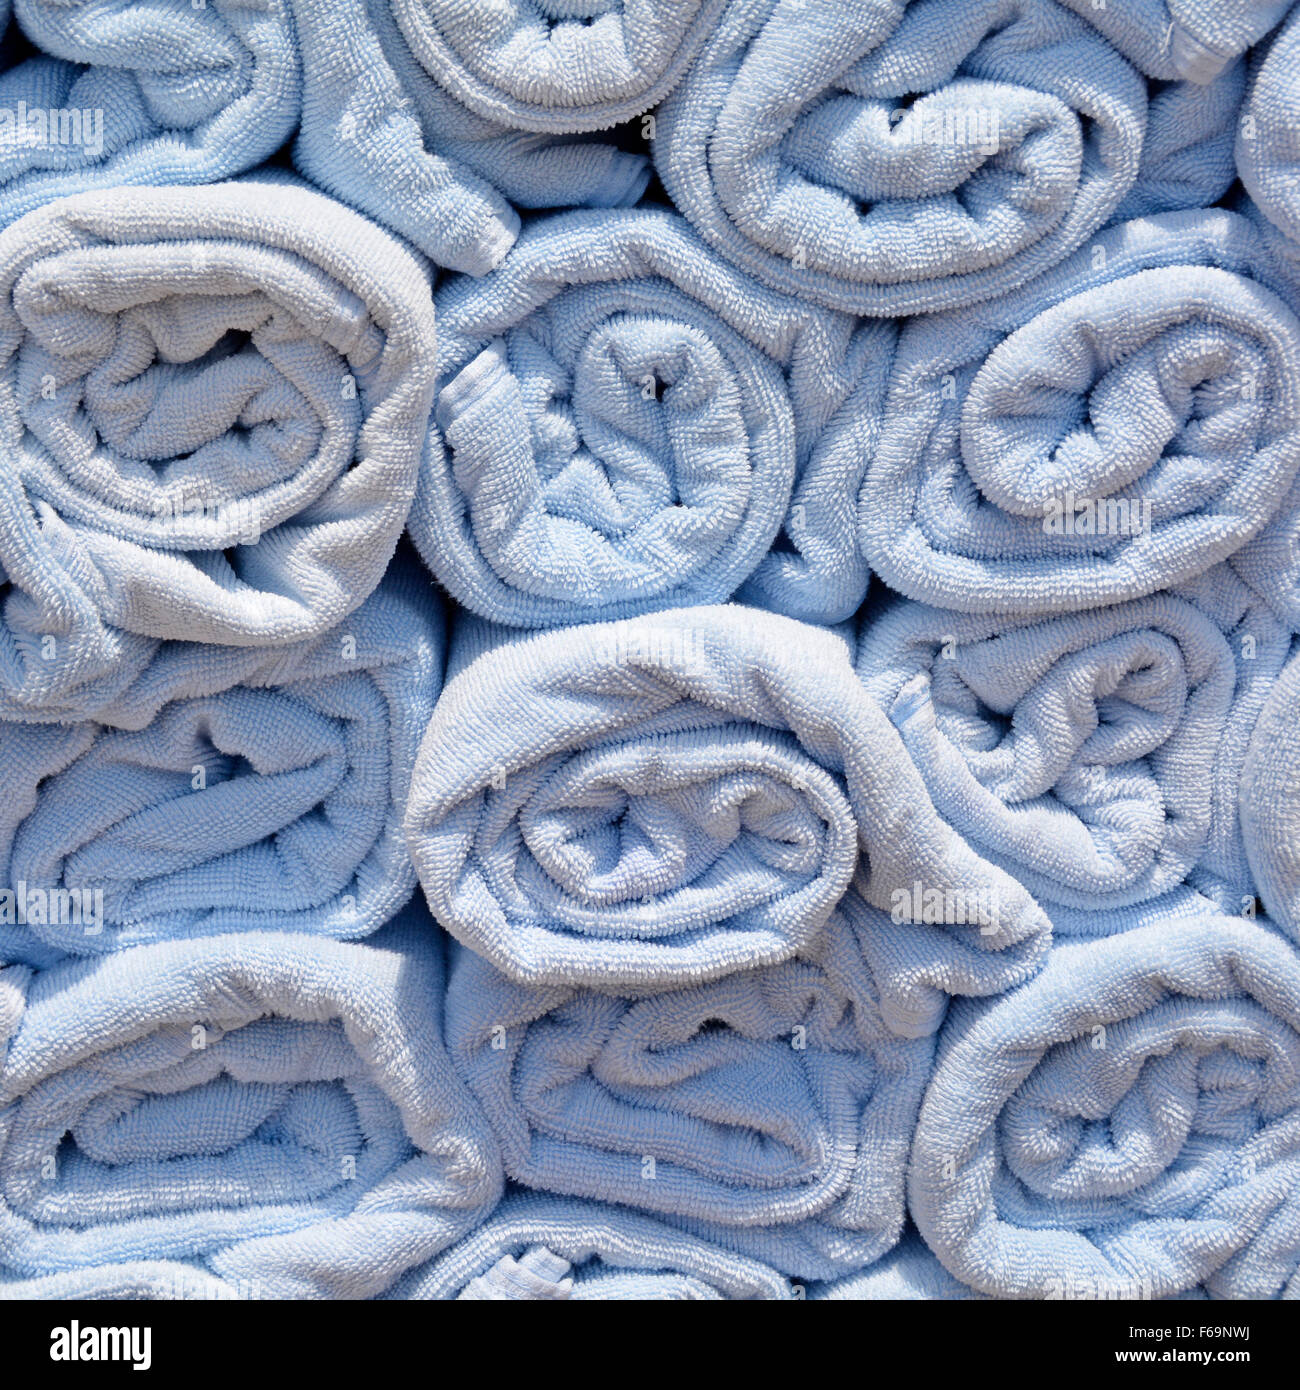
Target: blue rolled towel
(143,93)
(629,422)
(537,1247)
(1096,755)
(1114,427)
(213,403)
(380,132)
(276,1111)
(1125,1125)
(671,798)
(893,161)
(1175,40)
(557,66)
(139,1281)
(1270,799)
(769,1112)
(226,789)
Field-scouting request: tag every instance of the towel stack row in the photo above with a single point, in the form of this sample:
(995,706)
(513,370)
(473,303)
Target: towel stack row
(648,649)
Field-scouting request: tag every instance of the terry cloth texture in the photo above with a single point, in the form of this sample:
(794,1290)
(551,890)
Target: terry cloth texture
(1270,800)
(892,161)
(537,1247)
(630,422)
(668,799)
(1114,427)
(768,1112)
(228,789)
(278,1111)
(128,93)
(381,132)
(213,402)
(1094,755)
(1125,1125)
(1173,39)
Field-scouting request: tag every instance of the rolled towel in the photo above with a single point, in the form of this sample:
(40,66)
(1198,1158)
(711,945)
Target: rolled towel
(769,1112)
(1113,428)
(668,799)
(213,403)
(132,93)
(557,66)
(1126,1125)
(627,419)
(539,1247)
(1089,755)
(1270,799)
(1182,39)
(892,167)
(380,133)
(137,1281)
(279,1111)
(244,789)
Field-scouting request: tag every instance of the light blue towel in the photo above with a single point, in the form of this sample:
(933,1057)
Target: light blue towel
(1270,799)
(669,799)
(1182,39)
(909,1273)
(1268,134)
(1095,756)
(279,1111)
(769,1112)
(888,165)
(557,66)
(227,789)
(1188,152)
(629,422)
(1126,1125)
(143,93)
(379,133)
(213,403)
(536,1247)
(1114,427)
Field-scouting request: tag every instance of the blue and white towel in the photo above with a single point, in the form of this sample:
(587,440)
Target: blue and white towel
(227,789)
(630,422)
(1112,428)
(769,1112)
(1270,799)
(214,402)
(666,800)
(275,1110)
(1125,1125)
(889,160)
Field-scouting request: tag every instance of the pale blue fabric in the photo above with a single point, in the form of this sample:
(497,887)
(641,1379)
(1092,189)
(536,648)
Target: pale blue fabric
(279,1111)
(890,160)
(769,1112)
(909,1273)
(1270,799)
(536,1247)
(1096,756)
(668,799)
(1124,1125)
(380,133)
(143,93)
(1155,366)
(214,402)
(227,789)
(629,423)
(1268,134)
(1182,39)
(557,65)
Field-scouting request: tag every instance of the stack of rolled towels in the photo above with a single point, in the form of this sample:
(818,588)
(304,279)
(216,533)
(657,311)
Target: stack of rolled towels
(649,650)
